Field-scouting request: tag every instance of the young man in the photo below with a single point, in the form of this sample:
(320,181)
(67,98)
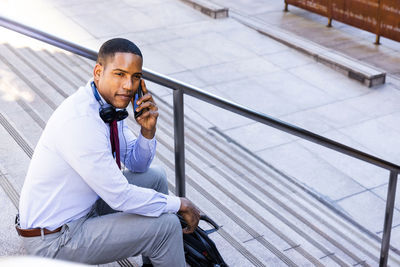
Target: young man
(74,187)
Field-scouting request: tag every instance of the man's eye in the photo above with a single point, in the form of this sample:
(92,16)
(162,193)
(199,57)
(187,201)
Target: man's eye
(137,77)
(119,74)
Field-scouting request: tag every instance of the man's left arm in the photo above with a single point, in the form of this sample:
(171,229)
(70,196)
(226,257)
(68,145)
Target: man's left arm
(139,153)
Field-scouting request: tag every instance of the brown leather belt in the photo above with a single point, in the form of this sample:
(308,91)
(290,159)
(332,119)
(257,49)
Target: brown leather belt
(35,231)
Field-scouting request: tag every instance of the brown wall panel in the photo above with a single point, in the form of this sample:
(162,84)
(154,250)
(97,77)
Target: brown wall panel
(381,17)
(362,14)
(390,19)
(316,6)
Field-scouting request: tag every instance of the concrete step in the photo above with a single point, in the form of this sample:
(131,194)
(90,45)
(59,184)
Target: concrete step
(210,9)
(10,244)
(254,204)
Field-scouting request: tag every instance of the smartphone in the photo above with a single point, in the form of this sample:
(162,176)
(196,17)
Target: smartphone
(138,95)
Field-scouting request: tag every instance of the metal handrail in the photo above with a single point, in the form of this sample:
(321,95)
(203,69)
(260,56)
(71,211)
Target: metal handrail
(181,88)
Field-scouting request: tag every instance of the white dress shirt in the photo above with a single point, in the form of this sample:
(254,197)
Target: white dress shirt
(72,167)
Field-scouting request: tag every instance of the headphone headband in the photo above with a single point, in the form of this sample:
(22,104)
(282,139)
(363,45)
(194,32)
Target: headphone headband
(96,93)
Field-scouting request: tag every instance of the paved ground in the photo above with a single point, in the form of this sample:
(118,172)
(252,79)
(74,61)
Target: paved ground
(237,63)
(346,39)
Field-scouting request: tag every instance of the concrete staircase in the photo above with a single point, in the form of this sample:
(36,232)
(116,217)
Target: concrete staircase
(266,219)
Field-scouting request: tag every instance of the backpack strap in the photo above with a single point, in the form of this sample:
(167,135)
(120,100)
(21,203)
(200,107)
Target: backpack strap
(211,222)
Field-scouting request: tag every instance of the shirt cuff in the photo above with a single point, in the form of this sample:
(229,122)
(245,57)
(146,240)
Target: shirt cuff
(173,204)
(145,143)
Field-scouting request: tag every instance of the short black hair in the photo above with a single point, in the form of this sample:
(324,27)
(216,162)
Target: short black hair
(116,45)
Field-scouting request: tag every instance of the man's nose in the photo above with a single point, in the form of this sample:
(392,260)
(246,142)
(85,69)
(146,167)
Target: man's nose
(128,85)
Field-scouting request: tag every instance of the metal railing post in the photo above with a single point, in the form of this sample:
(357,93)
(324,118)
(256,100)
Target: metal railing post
(179,138)
(387,227)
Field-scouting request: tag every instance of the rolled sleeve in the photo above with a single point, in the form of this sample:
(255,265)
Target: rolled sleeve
(173,204)
(138,153)
(146,144)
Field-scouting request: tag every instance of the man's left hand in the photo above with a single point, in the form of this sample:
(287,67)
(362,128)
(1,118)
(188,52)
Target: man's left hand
(148,119)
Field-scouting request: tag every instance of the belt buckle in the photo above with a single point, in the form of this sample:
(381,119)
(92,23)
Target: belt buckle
(17,225)
(17,219)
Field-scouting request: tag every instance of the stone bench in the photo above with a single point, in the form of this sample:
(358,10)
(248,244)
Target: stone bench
(210,9)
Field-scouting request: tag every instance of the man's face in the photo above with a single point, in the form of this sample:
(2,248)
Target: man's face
(118,79)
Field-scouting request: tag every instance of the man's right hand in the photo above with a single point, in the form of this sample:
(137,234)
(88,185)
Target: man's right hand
(190,214)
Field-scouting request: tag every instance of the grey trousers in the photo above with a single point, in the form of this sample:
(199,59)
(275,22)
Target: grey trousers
(105,235)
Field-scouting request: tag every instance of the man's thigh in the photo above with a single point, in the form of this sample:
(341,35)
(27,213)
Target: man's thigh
(120,235)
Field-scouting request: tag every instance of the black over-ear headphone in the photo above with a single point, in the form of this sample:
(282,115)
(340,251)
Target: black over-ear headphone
(106,111)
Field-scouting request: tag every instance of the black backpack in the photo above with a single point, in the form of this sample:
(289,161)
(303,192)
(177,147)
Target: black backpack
(200,250)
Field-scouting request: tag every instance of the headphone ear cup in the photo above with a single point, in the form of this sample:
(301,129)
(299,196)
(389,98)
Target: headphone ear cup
(107,113)
(121,115)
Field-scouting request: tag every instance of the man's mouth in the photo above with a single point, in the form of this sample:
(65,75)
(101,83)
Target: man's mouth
(127,97)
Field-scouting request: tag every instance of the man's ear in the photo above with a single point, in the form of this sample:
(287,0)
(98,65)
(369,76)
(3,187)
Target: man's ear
(97,71)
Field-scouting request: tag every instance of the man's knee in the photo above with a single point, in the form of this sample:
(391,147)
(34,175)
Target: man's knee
(160,177)
(154,178)
(172,223)
(171,228)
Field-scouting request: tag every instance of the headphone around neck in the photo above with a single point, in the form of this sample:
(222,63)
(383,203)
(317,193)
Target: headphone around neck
(106,111)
